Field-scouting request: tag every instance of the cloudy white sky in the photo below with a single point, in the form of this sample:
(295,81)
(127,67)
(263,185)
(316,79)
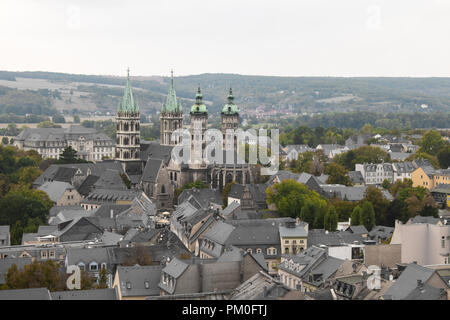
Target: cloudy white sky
(283,37)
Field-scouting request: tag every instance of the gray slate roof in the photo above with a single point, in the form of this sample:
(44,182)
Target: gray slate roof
(407,282)
(94,294)
(139,280)
(25,294)
(55,189)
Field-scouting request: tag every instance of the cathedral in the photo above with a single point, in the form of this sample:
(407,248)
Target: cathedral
(149,165)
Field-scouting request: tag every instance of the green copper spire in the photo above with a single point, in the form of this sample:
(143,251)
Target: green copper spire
(199,107)
(171,104)
(128,104)
(230,108)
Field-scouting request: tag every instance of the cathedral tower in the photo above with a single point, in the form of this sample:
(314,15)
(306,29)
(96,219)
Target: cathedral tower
(128,132)
(171,117)
(198,125)
(230,120)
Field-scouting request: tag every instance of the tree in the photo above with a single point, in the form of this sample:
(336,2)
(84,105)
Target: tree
(225,192)
(364,154)
(290,196)
(5,140)
(331,219)
(24,208)
(28,174)
(48,124)
(355,216)
(343,208)
(444,157)
(379,203)
(400,185)
(35,275)
(367,215)
(69,156)
(386,184)
(103,278)
(337,174)
(76,119)
(307,214)
(432,143)
(58,118)
(367,128)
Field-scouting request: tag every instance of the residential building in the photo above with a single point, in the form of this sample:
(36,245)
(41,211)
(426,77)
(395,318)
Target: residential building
(429,178)
(51,142)
(5,236)
(416,277)
(293,237)
(423,239)
(308,270)
(61,193)
(137,282)
(376,173)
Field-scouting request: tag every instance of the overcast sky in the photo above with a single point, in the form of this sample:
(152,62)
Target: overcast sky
(283,37)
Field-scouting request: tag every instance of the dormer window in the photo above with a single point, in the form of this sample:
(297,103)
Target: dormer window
(93,266)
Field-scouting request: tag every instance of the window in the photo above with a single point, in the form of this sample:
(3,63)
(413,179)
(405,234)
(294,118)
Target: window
(44,254)
(51,254)
(93,266)
(259,250)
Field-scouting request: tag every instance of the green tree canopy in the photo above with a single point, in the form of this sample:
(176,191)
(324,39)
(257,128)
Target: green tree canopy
(367,218)
(364,154)
(432,143)
(331,219)
(337,174)
(290,196)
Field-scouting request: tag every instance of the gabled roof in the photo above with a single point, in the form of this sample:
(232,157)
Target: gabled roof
(357,229)
(87,255)
(151,170)
(94,294)
(138,281)
(407,282)
(356,176)
(25,294)
(261,286)
(175,268)
(155,150)
(55,189)
(110,179)
(204,197)
(317,237)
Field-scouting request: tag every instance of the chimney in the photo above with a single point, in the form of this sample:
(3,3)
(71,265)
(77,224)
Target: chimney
(111,214)
(419,284)
(297,221)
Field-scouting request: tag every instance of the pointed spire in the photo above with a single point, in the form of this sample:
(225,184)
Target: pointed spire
(230,96)
(171,104)
(128,104)
(198,96)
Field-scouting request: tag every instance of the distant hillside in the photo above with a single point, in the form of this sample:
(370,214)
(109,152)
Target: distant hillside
(46,92)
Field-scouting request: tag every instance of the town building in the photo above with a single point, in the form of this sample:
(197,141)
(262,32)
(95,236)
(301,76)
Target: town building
(51,142)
